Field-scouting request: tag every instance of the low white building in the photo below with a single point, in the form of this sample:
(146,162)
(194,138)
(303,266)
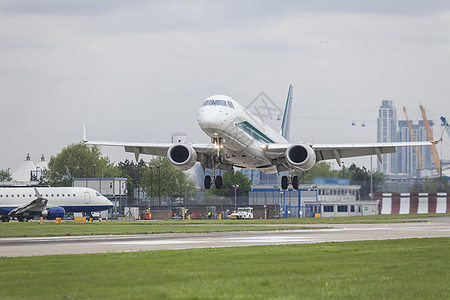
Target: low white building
(105,186)
(341,208)
(326,200)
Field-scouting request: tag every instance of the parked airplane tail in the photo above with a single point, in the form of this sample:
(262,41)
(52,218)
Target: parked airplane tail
(286,124)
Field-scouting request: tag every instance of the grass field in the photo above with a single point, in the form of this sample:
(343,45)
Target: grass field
(395,269)
(15,229)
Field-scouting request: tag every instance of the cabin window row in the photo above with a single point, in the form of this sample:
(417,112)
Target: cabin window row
(30,195)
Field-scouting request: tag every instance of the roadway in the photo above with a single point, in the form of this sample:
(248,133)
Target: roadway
(436,227)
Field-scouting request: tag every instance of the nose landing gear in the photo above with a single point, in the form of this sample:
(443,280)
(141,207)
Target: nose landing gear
(215,159)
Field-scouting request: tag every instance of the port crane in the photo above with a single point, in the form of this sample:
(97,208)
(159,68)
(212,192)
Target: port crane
(414,139)
(446,126)
(434,154)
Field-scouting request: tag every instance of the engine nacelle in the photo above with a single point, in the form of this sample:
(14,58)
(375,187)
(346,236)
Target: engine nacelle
(182,156)
(52,213)
(300,156)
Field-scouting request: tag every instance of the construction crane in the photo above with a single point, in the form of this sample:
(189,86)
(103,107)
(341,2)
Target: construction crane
(414,139)
(445,124)
(434,154)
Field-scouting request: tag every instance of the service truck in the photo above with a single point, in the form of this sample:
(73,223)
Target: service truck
(243,213)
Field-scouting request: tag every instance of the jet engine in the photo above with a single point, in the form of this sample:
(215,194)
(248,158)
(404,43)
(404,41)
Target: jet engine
(53,212)
(300,156)
(182,156)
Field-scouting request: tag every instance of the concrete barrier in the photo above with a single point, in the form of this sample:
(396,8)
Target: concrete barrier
(413,203)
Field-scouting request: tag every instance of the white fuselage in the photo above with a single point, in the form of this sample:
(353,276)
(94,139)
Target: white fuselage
(242,135)
(72,199)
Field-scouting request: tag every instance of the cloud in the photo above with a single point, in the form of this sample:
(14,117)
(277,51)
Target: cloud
(137,71)
(65,7)
(250,8)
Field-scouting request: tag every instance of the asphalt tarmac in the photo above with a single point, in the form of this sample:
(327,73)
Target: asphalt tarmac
(435,227)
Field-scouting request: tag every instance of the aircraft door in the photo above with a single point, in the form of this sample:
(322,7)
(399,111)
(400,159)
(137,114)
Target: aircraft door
(87,198)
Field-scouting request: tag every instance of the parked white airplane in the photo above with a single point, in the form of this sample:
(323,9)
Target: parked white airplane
(242,140)
(49,202)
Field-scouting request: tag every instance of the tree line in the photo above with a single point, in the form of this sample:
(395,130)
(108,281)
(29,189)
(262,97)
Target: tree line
(158,178)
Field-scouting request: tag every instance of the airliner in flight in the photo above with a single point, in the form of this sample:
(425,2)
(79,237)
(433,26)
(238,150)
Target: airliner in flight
(25,203)
(239,139)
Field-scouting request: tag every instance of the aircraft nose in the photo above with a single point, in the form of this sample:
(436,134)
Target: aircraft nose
(108,202)
(207,118)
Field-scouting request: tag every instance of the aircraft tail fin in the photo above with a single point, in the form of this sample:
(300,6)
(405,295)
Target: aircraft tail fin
(286,123)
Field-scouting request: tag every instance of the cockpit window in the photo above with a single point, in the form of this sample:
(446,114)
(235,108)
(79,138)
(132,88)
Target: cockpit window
(97,194)
(220,102)
(208,102)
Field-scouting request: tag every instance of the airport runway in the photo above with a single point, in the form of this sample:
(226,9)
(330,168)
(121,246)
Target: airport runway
(437,227)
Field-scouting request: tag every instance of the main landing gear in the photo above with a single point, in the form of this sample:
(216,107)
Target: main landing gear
(217,181)
(285,182)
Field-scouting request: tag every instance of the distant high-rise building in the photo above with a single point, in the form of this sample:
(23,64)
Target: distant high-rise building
(387,132)
(404,161)
(407,161)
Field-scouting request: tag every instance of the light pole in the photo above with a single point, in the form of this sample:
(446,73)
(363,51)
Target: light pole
(371,179)
(38,171)
(159,185)
(236,186)
(185,194)
(94,169)
(138,182)
(151,183)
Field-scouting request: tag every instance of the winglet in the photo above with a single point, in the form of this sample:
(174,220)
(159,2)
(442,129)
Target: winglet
(84,132)
(286,124)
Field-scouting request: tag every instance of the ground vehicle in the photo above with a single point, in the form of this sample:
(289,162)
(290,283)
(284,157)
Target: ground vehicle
(243,213)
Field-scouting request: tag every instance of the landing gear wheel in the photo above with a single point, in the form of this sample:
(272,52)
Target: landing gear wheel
(284,183)
(295,182)
(207,182)
(218,182)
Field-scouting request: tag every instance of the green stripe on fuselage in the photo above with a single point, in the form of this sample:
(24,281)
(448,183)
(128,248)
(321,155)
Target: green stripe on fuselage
(253,132)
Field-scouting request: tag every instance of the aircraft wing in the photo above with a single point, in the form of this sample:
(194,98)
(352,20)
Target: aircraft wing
(36,205)
(338,151)
(158,149)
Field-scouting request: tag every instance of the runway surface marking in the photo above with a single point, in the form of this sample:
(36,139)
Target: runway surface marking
(265,239)
(155,242)
(439,227)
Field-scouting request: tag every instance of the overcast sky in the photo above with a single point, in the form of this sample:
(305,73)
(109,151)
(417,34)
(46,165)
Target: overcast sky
(139,70)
